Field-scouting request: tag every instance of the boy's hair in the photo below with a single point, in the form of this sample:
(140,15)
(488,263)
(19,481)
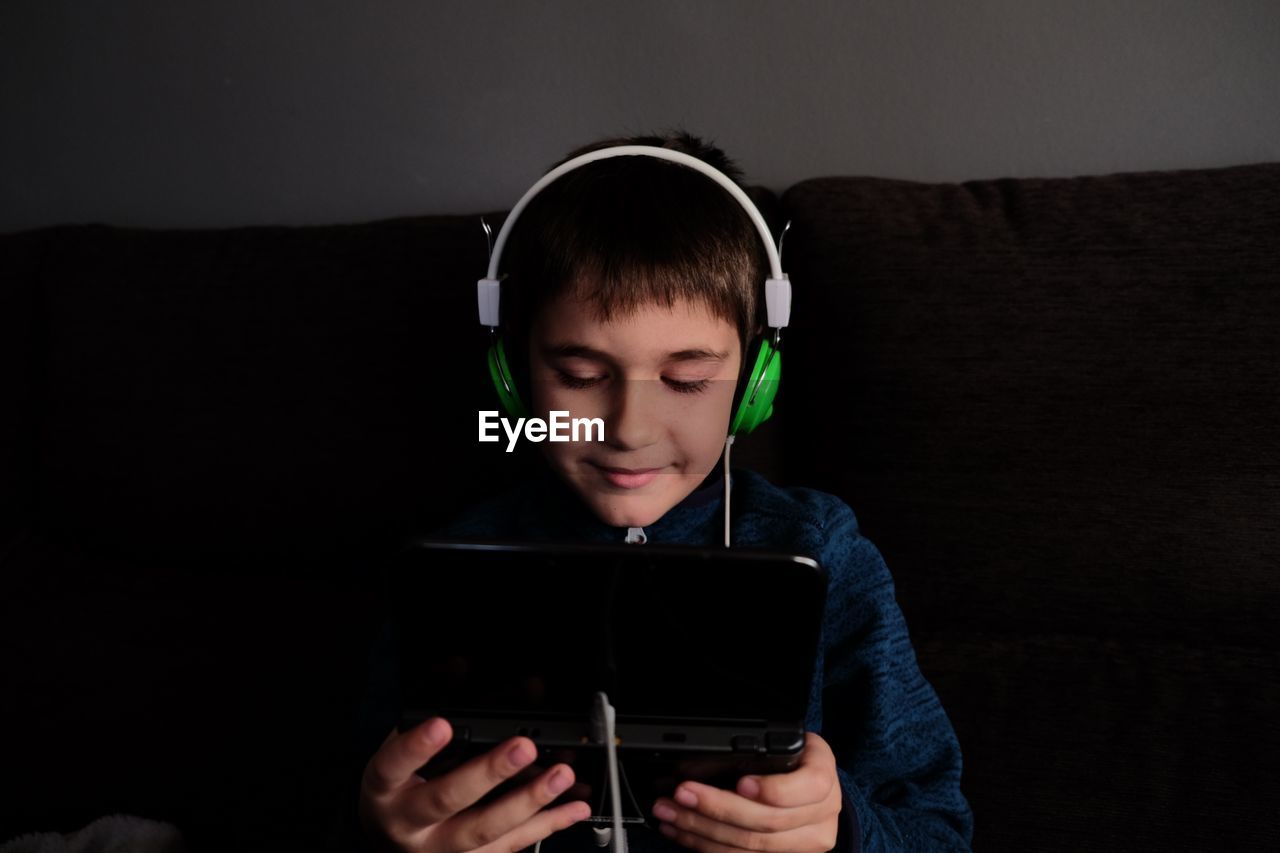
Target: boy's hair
(624,232)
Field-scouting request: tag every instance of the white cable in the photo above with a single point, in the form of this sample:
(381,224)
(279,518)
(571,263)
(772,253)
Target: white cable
(615,787)
(728,443)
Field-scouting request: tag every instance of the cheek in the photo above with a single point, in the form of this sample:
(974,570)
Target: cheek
(705,423)
(545,393)
(545,397)
(539,399)
(548,394)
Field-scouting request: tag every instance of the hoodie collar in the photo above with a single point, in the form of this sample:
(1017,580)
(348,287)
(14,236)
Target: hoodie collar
(553,508)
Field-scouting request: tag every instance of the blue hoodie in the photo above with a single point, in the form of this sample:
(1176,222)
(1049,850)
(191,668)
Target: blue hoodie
(897,755)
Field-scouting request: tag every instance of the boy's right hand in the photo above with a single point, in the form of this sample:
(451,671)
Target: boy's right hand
(440,816)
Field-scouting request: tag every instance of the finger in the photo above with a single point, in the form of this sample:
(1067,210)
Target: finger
(579,791)
(441,798)
(810,782)
(484,825)
(737,814)
(807,839)
(539,827)
(734,809)
(394,764)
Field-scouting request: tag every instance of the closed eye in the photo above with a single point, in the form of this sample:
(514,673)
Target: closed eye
(573,381)
(569,380)
(687,387)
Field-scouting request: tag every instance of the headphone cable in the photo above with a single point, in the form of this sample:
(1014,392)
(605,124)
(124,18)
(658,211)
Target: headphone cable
(728,443)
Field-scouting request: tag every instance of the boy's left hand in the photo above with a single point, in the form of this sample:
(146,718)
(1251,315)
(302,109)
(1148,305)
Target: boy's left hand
(795,812)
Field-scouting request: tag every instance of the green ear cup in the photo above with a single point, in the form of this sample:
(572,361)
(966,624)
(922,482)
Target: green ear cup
(758,391)
(504,381)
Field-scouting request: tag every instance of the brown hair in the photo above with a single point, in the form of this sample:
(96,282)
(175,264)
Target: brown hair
(630,231)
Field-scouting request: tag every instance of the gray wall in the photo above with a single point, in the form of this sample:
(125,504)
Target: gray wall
(172,113)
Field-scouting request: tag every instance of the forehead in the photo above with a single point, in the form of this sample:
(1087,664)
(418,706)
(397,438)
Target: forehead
(650,327)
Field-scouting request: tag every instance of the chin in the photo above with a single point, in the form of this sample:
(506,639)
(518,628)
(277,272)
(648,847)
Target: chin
(627,513)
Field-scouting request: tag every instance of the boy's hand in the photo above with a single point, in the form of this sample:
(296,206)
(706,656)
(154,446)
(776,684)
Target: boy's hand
(439,816)
(796,812)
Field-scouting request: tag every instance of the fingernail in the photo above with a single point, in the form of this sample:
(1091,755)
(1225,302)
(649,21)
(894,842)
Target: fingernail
(685,797)
(667,829)
(662,811)
(519,755)
(559,782)
(749,787)
(436,732)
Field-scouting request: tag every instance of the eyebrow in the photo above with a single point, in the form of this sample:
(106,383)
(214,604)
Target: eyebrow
(582,351)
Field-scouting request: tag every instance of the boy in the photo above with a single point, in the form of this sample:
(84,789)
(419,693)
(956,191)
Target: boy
(635,291)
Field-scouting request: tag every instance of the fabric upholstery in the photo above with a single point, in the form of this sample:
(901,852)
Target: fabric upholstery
(1052,405)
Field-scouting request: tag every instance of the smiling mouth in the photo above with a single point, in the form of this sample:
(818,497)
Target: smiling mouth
(628,478)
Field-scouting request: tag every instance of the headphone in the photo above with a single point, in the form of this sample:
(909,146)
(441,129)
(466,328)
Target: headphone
(755,397)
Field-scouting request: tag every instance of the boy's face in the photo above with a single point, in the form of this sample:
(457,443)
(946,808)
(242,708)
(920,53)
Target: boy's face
(662,379)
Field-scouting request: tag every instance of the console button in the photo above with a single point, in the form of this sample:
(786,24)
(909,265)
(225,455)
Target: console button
(745,743)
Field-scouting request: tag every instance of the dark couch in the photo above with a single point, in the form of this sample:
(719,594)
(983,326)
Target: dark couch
(1051,403)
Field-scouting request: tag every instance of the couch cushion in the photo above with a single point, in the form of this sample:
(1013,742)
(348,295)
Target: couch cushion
(294,390)
(1052,404)
(1060,392)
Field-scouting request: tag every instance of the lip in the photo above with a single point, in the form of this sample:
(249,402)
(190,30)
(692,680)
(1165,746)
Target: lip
(628,478)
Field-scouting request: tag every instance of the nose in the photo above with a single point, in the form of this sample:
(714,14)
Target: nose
(633,421)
